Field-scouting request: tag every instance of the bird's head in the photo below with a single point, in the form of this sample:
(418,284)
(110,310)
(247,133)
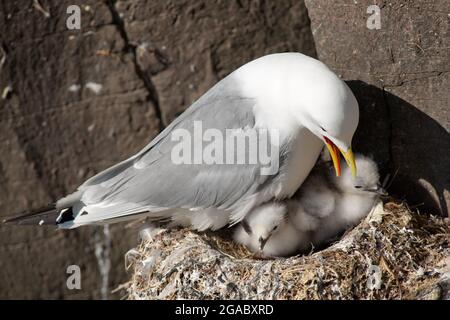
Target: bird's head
(264,221)
(316,98)
(329,110)
(366,181)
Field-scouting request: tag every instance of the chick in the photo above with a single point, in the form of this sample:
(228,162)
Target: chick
(354,198)
(314,200)
(322,208)
(269,232)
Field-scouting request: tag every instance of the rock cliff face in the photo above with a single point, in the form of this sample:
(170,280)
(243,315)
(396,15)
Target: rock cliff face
(400,74)
(77,101)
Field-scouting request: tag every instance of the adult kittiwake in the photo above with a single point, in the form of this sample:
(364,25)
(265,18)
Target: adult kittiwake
(293,102)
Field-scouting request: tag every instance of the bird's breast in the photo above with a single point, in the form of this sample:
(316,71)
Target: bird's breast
(302,152)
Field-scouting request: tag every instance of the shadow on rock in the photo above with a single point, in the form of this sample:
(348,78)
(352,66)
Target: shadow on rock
(403,139)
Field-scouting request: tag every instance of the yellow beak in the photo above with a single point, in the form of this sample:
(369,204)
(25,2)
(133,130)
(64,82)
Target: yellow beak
(350,159)
(335,153)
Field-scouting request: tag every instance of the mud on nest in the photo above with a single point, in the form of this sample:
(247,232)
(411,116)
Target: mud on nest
(393,254)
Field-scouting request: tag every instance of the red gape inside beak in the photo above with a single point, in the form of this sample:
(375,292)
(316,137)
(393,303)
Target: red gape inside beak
(335,155)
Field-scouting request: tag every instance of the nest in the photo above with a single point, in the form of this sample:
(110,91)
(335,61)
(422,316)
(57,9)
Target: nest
(392,254)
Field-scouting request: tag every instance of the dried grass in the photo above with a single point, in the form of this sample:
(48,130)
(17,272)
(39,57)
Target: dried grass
(393,254)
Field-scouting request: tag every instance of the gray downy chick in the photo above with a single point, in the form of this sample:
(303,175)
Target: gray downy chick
(323,207)
(353,200)
(269,231)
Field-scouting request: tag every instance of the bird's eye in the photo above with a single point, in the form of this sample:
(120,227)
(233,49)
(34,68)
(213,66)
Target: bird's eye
(358,187)
(323,129)
(275,228)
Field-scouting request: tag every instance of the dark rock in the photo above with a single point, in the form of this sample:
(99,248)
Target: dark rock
(187,46)
(59,127)
(57,131)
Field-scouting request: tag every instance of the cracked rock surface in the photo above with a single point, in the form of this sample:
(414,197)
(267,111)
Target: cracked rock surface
(77,101)
(184,47)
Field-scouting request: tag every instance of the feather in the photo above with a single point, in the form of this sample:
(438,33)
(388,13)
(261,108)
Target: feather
(43,216)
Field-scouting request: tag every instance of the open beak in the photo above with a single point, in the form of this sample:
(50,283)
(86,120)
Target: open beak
(335,156)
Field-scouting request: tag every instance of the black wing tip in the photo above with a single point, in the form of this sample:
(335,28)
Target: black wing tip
(43,216)
(8,220)
(11,220)
(66,216)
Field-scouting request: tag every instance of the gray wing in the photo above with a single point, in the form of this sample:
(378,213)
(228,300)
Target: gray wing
(151,179)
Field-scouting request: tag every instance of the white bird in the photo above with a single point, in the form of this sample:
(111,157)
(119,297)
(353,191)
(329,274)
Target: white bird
(290,93)
(269,231)
(322,208)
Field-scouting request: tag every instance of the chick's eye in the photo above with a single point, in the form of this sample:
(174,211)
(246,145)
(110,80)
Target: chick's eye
(323,129)
(358,187)
(275,228)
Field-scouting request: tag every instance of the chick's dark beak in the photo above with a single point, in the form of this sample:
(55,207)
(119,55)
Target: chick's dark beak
(381,191)
(262,242)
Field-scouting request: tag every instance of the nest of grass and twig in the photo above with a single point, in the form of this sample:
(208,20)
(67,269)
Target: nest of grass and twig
(393,254)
